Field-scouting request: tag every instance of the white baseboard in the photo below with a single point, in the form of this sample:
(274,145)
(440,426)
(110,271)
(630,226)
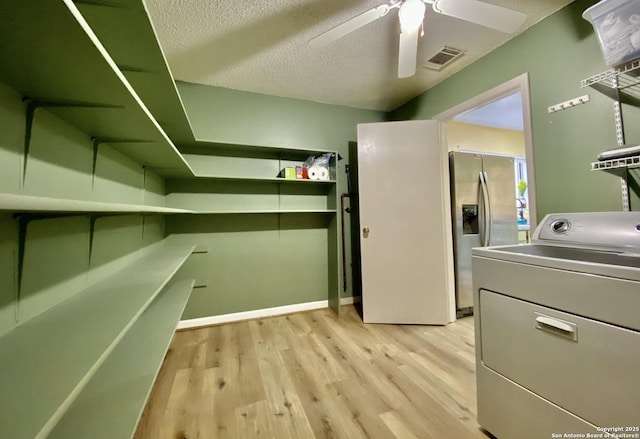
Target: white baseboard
(260,313)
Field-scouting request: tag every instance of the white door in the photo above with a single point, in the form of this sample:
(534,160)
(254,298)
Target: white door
(405,223)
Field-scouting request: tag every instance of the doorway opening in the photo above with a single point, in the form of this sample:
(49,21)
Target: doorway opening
(498,122)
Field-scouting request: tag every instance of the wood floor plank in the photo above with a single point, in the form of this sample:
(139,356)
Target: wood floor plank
(364,413)
(288,417)
(297,323)
(256,421)
(317,357)
(452,371)
(336,408)
(457,405)
(282,332)
(313,375)
(210,404)
(235,380)
(172,420)
(182,407)
(222,392)
(397,426)
(215,345)
(245,365)
(159,397)
(315,398)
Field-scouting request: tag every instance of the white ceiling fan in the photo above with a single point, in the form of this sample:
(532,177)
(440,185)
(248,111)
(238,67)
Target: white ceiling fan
(411,15)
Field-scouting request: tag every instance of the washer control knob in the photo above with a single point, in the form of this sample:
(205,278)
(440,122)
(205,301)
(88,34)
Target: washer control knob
(560,226)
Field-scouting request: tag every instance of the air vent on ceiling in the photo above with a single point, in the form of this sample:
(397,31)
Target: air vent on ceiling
(444,57)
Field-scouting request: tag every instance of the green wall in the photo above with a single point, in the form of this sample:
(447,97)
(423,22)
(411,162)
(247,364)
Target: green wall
(230,116)
(48,258)
(253,261)
(266,260)
(557,53)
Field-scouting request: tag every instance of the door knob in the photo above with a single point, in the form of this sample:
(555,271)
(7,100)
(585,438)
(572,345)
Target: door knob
(365,232)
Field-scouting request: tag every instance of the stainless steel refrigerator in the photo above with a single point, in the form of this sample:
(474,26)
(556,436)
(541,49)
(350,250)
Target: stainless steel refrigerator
(483,209)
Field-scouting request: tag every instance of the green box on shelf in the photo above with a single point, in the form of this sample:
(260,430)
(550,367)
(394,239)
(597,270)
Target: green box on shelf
(288,173)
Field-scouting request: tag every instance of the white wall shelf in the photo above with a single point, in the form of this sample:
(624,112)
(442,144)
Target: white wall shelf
(33,204)
(622,78)
(616,165)
(622,85)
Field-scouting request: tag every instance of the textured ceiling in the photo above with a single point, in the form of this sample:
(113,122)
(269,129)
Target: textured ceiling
(261,46)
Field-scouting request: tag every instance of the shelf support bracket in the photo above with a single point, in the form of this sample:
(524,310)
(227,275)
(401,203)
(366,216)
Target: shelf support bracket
(93,218)
(30,113)
(92,229)
(131,69)
(96,142)
(32,106)
(23,220)
(100,3)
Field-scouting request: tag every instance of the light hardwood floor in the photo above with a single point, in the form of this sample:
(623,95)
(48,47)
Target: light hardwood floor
(313,375)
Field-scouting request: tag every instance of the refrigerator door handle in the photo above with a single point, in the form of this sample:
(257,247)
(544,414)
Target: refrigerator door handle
(486,204)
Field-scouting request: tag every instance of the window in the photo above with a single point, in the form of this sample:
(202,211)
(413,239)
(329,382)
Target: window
(522,194)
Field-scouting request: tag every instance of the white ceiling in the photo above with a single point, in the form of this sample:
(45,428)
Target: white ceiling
(261,46)
(505,113)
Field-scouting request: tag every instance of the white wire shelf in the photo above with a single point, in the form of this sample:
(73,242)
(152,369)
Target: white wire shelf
(621,163)
(628,77)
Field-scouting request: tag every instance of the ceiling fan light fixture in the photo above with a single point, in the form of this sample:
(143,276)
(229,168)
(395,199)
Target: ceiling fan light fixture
(411,15)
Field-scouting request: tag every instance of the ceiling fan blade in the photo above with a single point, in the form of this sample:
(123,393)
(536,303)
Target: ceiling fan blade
(349,26)
(408,54)
(485,14)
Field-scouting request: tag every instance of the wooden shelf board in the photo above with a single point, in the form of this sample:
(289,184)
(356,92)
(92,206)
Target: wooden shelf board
(237,212)
(61,62)
(48,360)
(111,404)
(265,150)
(135,48)
(28,203)
(265,179)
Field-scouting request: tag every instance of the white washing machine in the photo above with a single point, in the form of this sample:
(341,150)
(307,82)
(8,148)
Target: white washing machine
(558,330)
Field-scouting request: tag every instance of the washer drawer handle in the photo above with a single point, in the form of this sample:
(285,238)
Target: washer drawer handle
(556,326)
